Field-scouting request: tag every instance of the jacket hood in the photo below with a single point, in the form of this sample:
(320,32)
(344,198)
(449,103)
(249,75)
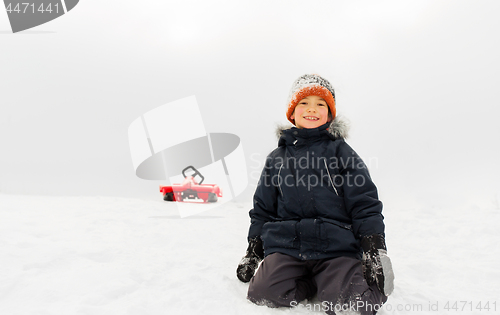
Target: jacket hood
(338,128)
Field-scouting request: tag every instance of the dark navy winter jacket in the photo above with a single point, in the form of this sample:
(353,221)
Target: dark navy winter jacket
(315,198)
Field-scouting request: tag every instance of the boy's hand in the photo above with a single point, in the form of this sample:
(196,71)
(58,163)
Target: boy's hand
(250,262)
(377,267)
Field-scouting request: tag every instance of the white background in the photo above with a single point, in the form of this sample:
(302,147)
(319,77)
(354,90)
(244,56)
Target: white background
(417,79)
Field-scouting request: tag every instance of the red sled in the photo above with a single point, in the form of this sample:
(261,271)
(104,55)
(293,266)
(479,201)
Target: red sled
(190,189)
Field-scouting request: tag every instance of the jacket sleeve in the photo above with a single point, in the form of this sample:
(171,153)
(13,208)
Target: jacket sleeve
(264,200)
(360,193)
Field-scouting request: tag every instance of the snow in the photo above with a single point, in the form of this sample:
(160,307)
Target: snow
(106,255)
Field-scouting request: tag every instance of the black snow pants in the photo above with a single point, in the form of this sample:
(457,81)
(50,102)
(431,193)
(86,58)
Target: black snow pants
(283,280)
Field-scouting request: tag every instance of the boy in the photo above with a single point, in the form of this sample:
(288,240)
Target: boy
(316,219)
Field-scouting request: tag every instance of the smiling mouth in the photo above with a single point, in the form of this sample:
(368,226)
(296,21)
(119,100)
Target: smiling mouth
(311,118)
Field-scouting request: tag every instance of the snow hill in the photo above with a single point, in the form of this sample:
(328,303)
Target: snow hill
(102,255)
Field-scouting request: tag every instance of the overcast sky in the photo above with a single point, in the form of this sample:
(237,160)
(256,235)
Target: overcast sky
(418,81)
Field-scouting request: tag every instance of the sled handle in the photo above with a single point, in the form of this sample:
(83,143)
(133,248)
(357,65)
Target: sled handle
(196,172)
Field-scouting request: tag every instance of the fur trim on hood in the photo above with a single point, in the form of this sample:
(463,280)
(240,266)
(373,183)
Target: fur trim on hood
(339,128)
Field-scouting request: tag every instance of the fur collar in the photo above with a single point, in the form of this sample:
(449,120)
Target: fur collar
(339,128)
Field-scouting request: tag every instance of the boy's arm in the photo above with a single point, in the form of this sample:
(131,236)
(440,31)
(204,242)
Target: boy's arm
(264,201)
(361,200)
(264,206)
(360,194)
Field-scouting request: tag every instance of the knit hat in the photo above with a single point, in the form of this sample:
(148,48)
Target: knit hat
(310,84)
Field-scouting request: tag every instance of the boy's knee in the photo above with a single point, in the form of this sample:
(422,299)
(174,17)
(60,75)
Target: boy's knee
(279,281)
(260,293)
(282,294)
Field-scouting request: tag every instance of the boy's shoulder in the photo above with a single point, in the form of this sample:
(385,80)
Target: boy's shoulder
(279,151)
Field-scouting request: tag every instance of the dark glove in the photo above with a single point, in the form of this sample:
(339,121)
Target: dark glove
(377,267)
(250,262)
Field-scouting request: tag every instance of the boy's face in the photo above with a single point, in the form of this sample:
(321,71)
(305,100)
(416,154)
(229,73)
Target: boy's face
(311,112)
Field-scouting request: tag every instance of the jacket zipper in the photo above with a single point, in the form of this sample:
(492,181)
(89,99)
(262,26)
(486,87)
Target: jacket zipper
(330,177)
(279,178)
